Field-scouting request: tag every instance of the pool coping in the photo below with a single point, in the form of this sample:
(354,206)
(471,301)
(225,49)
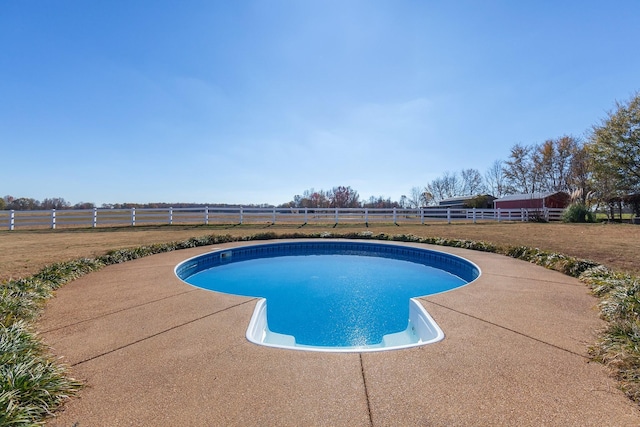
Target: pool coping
(155,351)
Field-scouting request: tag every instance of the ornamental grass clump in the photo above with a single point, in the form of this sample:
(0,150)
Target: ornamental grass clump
(575,267)
(405,238)
(32,385)
(619,349)
(56,275)
(622,303)
(601,280)
(619,345)
(18,304)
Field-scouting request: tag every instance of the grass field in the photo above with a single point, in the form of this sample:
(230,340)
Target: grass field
(615,245)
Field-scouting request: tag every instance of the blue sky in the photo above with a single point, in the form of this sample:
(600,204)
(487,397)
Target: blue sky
(256,101)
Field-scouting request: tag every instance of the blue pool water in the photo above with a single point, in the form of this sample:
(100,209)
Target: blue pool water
(331,294)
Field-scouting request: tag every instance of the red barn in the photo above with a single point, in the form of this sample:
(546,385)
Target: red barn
(553,199)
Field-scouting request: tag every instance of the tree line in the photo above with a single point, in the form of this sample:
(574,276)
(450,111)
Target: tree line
(58,203)
(30,204)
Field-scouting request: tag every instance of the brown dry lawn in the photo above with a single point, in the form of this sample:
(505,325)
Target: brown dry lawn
(614,245)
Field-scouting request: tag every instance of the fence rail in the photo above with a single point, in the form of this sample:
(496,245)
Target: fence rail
(12,220)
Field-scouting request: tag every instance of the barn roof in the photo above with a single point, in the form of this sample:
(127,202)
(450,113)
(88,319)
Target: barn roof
(528,196)
(457,199)
(465,198)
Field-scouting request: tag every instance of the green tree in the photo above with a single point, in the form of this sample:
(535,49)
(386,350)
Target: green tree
(614,145)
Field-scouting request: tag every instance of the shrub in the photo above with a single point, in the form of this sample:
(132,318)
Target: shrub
(578,212)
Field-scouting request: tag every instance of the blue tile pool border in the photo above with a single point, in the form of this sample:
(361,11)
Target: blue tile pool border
(458,266)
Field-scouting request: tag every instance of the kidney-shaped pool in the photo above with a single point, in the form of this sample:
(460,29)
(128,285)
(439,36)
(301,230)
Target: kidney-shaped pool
(333,295)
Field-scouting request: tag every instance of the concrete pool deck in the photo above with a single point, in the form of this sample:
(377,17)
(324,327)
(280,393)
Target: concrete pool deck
(154,351)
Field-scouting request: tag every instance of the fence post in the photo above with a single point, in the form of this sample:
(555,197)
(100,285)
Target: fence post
(133,217)
(241,215)
(53,219)
(448,215)
(273,220)
(305,215)
(94,223)
(170,216)
(474,215)
(366,215)
(12,219)
(395,216)
(499,215)
(336,215)
(206,215)
(421,216)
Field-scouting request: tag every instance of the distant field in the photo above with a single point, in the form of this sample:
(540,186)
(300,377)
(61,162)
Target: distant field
(603,216)
(614,245)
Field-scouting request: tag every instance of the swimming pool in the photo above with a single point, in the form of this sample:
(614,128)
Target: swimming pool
(333,295)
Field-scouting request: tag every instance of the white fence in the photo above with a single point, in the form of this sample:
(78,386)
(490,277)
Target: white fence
(12,220)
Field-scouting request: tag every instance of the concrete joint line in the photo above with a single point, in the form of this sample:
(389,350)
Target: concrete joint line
(508,329)
(555,282)
(117,311)
(161,332)
(366,390)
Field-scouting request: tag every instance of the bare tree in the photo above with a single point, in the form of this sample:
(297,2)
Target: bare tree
(495,180)
(519,170)
(343,197)
(580,173)
(472,182)
(318,199)
(417,197)
(310,199)
(84,205)
(381,202)
(552,163)
(55,203)
(448,185)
